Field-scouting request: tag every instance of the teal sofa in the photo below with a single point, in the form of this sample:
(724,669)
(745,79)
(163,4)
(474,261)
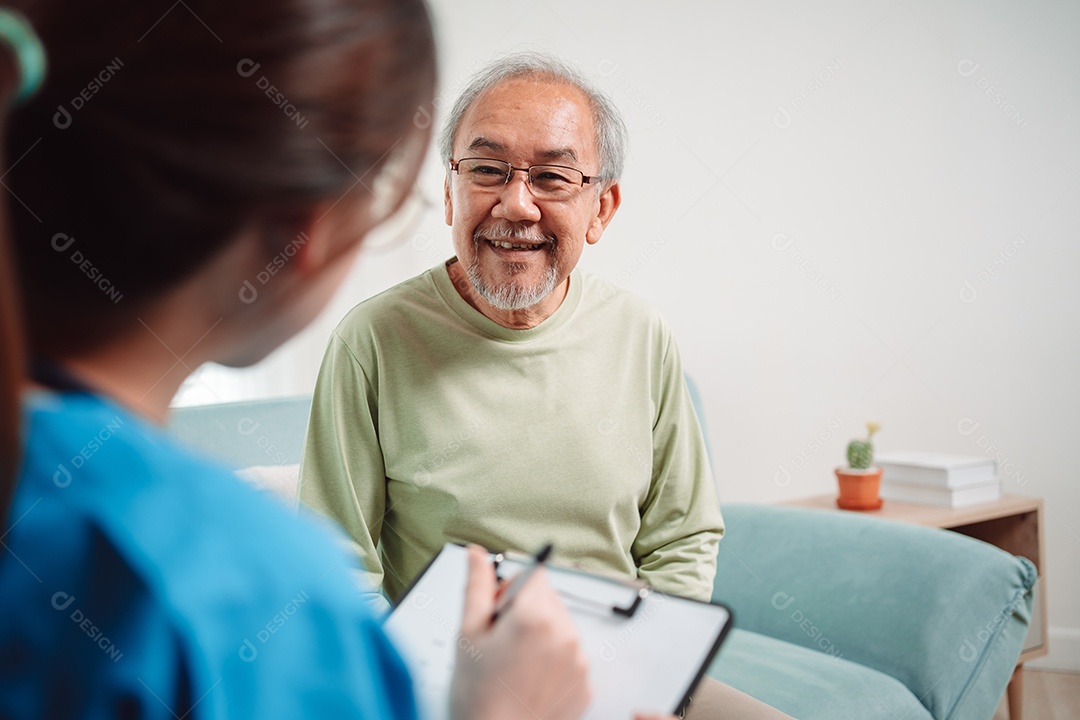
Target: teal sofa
(258,433)
(837,616)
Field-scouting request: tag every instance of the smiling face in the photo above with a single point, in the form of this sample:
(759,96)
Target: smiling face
(516,249)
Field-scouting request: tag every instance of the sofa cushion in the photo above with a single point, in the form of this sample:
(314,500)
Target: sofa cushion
(281,481)
(811,684)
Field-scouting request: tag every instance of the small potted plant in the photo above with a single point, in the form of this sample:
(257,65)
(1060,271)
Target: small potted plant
(860,481)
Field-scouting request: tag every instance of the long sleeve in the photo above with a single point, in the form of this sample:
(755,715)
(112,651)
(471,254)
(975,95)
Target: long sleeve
(681,524)
(342,473)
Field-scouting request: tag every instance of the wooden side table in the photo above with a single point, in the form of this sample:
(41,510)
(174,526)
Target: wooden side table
(1013,523)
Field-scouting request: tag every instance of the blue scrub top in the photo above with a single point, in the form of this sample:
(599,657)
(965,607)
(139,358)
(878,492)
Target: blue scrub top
(138,580)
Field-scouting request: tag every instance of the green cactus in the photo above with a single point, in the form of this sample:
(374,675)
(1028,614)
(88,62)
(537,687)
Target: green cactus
(860,453)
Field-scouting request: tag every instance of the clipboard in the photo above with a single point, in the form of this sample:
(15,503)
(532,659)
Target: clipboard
(646,649)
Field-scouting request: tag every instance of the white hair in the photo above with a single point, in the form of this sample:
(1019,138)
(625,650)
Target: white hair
(611,135)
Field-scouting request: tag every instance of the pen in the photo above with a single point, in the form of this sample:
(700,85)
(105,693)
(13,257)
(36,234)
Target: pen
(519,581)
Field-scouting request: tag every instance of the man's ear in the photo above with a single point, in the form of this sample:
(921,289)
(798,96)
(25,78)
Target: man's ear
(448,203)
(610,199)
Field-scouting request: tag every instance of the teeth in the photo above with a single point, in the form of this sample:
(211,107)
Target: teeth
(510,246)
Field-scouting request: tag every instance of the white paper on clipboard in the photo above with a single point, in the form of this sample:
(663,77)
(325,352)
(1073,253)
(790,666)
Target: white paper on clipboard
(649,660)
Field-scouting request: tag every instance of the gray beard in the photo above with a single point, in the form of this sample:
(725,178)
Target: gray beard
(513,296)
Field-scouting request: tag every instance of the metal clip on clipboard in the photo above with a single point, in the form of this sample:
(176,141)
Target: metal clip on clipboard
(626,610)
(618,596)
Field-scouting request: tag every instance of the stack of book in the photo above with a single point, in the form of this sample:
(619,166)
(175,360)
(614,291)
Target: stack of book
(928,478)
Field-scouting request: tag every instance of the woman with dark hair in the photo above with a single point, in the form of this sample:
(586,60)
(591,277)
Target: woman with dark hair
(175,155)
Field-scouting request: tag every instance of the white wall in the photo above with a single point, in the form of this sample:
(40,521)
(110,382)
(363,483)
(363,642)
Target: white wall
(847,211)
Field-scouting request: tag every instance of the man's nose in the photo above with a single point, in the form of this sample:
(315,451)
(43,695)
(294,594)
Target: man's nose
(516,201)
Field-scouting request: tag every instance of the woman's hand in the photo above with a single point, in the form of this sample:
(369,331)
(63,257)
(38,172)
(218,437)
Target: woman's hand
(528,664)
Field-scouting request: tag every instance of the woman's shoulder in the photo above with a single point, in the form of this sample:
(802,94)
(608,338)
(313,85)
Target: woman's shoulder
(187,513)
(242,577)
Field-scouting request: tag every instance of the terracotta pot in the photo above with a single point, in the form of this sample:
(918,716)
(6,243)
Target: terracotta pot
(859,488)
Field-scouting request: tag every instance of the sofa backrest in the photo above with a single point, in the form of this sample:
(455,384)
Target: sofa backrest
(242,434)
(262,439)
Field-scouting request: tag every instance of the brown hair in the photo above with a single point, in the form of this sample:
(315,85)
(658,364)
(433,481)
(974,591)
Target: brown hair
(155,138)
(11,342)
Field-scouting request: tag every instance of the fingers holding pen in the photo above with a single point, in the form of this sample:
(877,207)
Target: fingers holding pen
(480,590)
(529,661)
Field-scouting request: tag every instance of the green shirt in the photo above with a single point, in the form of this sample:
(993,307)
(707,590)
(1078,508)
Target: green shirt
(432,423)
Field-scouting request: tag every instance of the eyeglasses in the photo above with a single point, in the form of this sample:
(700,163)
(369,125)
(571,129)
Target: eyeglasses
(547,182)
(395,227)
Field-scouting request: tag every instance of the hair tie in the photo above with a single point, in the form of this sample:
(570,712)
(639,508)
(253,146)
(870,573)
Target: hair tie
(17,32)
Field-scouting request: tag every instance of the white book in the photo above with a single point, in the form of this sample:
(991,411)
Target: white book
(936,469)
(941,496)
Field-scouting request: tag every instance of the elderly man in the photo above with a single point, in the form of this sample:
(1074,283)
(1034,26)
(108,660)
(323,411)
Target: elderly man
(505,397)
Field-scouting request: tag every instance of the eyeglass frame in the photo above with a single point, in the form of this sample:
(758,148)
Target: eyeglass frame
(585,179)
(398,225)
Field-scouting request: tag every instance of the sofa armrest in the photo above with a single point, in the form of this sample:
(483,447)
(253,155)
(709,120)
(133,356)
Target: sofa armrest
(942,613)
